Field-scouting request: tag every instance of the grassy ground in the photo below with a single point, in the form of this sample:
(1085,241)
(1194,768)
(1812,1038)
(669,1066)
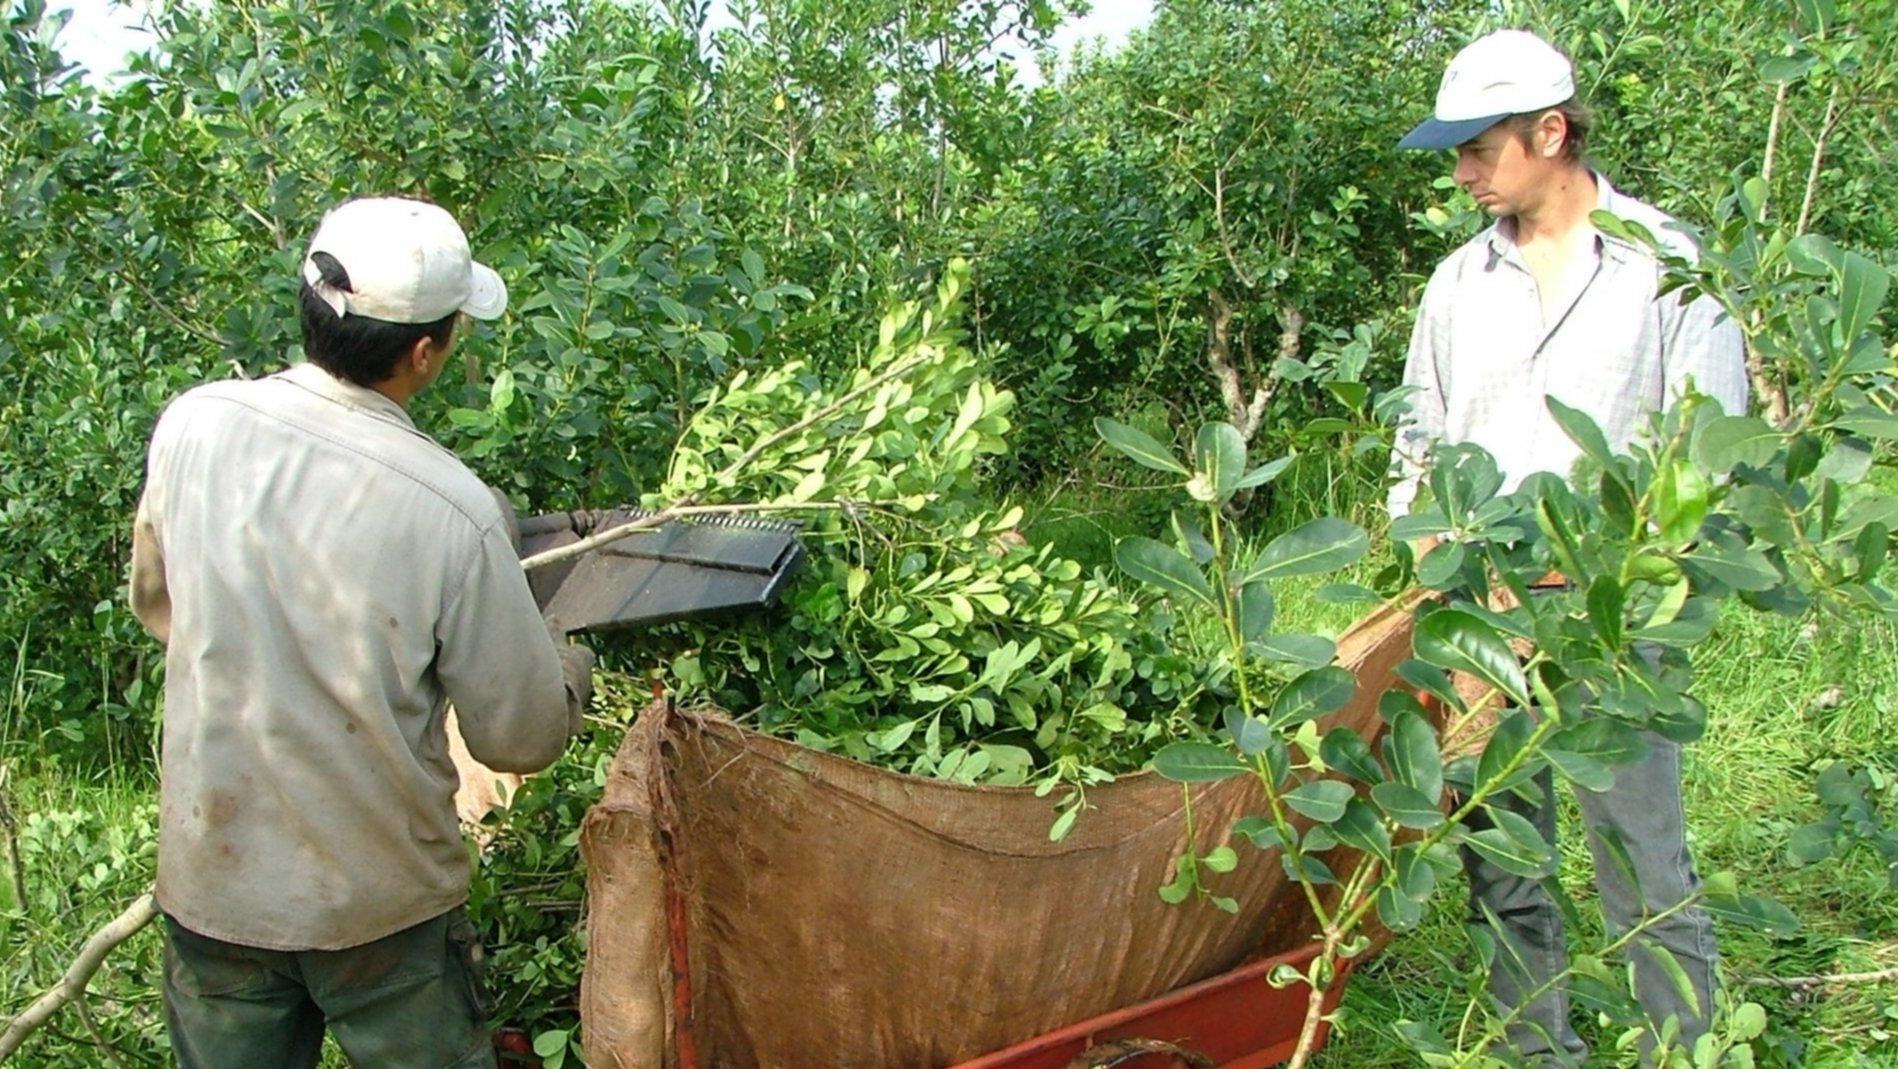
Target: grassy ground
(1786,697)
(1776,720)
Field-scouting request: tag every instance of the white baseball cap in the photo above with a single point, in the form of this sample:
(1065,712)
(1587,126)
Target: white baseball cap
(1505,73)
(407,262)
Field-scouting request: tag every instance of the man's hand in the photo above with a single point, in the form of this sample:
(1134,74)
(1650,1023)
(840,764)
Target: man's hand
(576,669)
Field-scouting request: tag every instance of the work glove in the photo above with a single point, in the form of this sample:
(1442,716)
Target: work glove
(576,669)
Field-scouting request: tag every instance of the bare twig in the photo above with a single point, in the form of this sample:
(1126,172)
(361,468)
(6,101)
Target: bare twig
(98,1037)
(165,310)
(73,984)
(682,506)
(1225,237)
(1804,983)
(1818,158)
(13,842)
(1772,134)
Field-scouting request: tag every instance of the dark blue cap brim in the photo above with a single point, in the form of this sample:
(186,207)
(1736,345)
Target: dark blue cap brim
(1435,133)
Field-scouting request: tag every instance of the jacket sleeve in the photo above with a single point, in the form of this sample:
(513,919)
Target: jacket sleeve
(501,668)
(1422,424)
(151,598)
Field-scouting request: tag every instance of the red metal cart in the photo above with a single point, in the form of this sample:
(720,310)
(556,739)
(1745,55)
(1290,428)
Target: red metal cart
(1233,1021)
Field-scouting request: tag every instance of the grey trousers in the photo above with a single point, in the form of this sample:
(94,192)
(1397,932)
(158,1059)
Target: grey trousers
(1644,811)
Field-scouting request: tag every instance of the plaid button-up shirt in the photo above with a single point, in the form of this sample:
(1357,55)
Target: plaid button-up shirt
(1484,358)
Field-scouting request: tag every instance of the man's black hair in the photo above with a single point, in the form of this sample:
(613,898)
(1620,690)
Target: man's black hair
(354,347)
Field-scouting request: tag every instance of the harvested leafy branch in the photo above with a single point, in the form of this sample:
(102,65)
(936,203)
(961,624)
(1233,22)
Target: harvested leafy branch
(925,634)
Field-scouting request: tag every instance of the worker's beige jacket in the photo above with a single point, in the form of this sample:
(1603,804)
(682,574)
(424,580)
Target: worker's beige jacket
(326,577)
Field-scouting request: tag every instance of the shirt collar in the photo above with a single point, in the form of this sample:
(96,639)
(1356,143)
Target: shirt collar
(346,393)
(1607,199)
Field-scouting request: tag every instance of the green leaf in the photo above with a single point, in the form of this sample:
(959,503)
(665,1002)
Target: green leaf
(1680,499)
(1582,430)
(1683,986)
(1321,800)
(501,393)
(1261,832)
(1730,441)
(1602,740)
(1222,859)
(1459,642)
(1400,913)
(1322,545)
(1255,611)
(1784,70)
(1581,769)
(1413,756)
(1191,537)
(1406,805)
(1139,445)
(1814,254)
(1312,695)
(1361,828)
(1315,871)
(1740,567)
(1869,421)
(1220,453)
(1249,733)
(1264,473)
(1504,748)
(1306,651)
(1498,848)
(548,1043)
(1196,762)
(1416,875)
(1605,600)
(1346,751)
(1871,547)
(1429,679)
(1862,288)
(1812,843)
(1727,904)
(1063,824)
(1160,565)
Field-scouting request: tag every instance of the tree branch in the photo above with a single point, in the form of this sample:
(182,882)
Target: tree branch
(73,984)
(1818,159)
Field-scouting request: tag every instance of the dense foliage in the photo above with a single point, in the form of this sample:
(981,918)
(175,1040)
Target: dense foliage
(1220,192)
(703,230)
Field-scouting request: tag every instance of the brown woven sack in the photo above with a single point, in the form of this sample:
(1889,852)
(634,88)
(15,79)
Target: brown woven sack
(753,903)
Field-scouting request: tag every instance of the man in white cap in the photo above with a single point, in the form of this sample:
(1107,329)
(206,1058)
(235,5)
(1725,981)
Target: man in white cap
(325,579)
(1543,304)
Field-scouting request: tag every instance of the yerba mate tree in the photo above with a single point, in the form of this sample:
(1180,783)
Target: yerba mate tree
(1705,510)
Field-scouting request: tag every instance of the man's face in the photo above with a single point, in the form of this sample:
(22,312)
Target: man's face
(1500,171)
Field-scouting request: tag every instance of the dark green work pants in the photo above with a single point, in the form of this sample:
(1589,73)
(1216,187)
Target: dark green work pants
(412,1000)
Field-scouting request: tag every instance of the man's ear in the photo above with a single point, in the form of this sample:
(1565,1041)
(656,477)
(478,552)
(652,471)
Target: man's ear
(420,357)
(1551,134)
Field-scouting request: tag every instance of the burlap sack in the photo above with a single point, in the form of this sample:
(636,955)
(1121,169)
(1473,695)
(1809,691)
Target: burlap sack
(753,903)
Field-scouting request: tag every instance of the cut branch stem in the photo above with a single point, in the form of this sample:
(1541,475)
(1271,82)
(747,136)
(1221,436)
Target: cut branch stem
(689,504)
(72,985)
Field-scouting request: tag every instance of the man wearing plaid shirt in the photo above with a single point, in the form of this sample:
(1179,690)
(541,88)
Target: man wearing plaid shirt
(1542,304)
